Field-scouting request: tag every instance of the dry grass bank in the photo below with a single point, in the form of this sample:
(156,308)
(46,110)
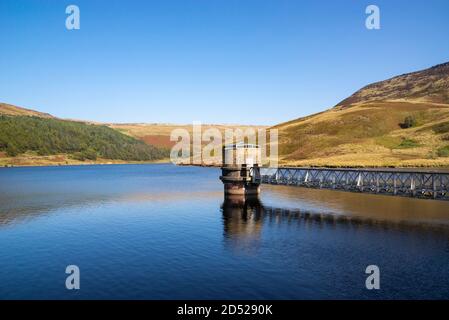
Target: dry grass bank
(30,159)
(368,135)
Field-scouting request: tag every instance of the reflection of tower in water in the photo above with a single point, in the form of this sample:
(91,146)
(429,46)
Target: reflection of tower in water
(242,220)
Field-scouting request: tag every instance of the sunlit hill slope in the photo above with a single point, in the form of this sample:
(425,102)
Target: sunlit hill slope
(29,137)
(403,121)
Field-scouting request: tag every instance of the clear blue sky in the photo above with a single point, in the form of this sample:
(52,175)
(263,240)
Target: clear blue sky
(215,61)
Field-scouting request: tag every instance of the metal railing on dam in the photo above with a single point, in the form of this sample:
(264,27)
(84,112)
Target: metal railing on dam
(420,184)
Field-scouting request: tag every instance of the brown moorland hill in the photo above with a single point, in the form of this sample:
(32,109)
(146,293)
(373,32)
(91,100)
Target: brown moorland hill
(429,85)
(9,109)
(158,134)
(403,122)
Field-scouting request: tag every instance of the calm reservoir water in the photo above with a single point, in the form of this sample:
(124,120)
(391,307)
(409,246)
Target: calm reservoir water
(165,232)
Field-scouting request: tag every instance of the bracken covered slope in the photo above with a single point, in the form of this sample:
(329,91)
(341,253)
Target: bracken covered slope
(403,121)
(429,85)
(9,109)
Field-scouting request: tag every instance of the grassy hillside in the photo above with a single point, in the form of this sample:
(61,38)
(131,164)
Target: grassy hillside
(159,134)
(8,109)
(429,85)
(49,136)
(403,121)
(27,138)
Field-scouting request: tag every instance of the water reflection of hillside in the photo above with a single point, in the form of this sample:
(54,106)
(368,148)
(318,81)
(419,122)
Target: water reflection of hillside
(244,221)
(366,206)
(19,209)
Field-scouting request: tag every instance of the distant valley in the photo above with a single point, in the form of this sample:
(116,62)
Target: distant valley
(399,122)
(28,137)
(84,142)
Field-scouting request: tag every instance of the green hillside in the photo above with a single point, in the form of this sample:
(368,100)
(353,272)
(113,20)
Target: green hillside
(49,136)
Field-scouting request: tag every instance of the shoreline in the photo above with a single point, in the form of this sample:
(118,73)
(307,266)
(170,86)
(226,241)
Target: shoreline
(444,168)
(387,168)
(62,160)
(80,164)
(46,162)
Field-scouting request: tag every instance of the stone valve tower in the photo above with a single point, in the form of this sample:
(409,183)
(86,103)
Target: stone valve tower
(241,170)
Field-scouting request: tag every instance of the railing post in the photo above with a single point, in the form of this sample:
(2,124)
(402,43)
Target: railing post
(395,189)
(360,181)
(377,183)
(334,180)
(434,187)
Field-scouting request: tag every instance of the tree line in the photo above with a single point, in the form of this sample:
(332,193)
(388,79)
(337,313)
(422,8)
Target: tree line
(19,134)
